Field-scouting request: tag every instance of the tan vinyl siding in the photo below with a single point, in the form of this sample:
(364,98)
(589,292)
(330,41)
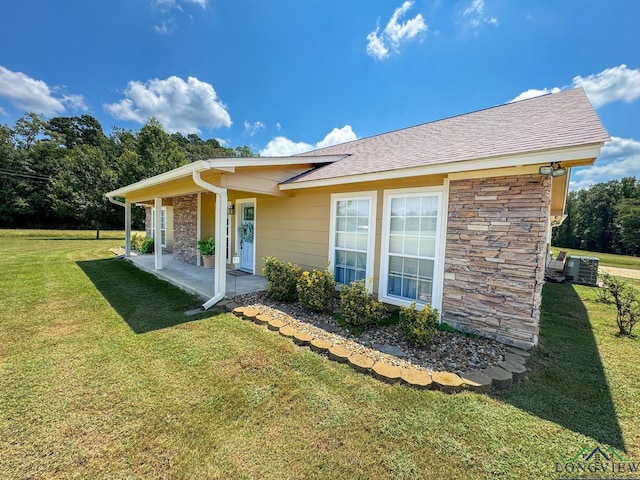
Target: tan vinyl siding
(207,219)
(296,229)
(169,229)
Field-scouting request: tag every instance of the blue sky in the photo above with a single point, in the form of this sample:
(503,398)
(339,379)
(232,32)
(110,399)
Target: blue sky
(292,75)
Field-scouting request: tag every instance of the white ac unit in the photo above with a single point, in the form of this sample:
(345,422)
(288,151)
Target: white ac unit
(583,270)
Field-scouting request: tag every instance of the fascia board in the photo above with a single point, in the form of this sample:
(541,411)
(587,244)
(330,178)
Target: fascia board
(564,155)
(184,171)
(271,161)
(226,165)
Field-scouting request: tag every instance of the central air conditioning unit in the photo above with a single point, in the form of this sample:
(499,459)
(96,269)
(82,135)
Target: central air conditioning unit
(583,270)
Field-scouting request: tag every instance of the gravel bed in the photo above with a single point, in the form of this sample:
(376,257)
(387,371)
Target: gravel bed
(449,352)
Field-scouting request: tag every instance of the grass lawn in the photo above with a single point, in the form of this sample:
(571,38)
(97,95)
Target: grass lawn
(82,395)
(607,259)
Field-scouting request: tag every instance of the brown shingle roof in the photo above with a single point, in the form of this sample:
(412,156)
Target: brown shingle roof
(548,122)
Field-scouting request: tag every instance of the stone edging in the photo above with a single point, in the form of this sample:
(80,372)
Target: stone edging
(509,371)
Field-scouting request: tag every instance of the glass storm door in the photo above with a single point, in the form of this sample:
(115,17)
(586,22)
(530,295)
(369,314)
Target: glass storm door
(247,236)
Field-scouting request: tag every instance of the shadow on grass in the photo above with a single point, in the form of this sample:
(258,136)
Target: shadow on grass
(144,301)
(567,384)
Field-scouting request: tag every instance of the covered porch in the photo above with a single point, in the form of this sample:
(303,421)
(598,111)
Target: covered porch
(196,279)
(199,200)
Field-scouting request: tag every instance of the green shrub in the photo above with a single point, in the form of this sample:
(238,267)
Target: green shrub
(358,307)
(147,246)
(418,327)
(315,290)
(281,279)
(207,246)
(445,327)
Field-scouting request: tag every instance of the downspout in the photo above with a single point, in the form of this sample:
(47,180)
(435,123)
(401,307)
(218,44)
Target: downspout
(220,279)
(127,224)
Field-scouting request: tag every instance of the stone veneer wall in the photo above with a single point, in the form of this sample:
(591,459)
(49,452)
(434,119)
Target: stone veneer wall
(185,228)
(495,256)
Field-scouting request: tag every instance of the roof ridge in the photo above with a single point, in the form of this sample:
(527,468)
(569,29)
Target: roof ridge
(316,151)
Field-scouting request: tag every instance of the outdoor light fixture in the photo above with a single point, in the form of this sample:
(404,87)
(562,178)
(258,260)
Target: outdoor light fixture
(231,209)
(559,171)
(554,169)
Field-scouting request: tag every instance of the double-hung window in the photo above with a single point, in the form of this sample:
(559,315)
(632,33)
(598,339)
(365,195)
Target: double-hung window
(411,247)
(352,236)
(163,225)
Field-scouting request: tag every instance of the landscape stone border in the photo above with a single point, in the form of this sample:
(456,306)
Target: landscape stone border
(504,375)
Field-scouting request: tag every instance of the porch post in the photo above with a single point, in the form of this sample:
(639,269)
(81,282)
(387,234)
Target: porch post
(157,234)
(199,226)
(220,271)
(127,229)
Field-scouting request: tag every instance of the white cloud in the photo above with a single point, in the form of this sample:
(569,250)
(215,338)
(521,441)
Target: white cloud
(252,128)
(336,136)
(167,9)
(617,83)
(476,17)
(283,147)
(74,102)
(278,126)
(164,4)
(164,28)
(375,46)
(532,92)
(169,4)
(381,44)
(180,106)
(619,158)
(202,3)
(613,84)
(36,96)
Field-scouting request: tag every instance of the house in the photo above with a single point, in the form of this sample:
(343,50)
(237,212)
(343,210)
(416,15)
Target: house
(456,213)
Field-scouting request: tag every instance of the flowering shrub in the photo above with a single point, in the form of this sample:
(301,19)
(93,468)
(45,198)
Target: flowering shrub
(315,290)
(358,307)
(418,327)
(281,279)
(136,241)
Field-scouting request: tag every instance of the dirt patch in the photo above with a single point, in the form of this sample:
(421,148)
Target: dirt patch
(621,272)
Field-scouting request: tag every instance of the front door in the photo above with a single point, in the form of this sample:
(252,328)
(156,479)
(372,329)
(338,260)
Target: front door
(246,235)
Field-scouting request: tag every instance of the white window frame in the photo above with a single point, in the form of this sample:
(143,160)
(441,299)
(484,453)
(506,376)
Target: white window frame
(438,268)
(372,197)
(163,231)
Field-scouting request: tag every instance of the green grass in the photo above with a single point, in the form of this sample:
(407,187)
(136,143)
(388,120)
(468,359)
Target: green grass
(606,259)
(102,376)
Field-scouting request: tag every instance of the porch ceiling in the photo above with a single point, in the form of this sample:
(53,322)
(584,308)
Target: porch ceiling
(559,190)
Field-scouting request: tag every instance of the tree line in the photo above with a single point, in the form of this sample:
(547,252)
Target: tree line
(54,173)
(602,218)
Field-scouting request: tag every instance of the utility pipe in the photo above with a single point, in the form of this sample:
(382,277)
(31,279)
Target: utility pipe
(220,278)
(157,233)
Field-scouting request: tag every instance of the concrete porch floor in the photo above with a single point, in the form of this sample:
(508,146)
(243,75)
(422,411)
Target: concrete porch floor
(197,280)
